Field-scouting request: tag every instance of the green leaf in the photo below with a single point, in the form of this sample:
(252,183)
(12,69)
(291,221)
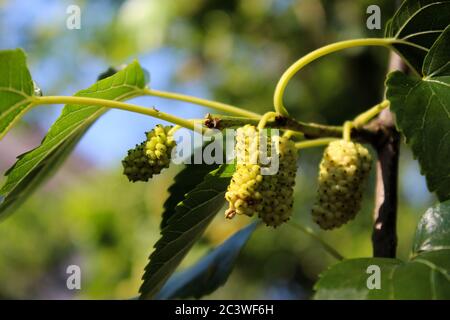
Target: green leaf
(184,181)
(422,107)
(423,112)
(437,61)
(187,225)
(427,276)
(419,23)
(32,181)
(433,230)
(33,167)
(348,279)
(16,88)
(210,272)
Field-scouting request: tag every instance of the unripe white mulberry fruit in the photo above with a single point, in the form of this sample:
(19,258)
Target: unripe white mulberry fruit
(250,192)
(151,156)
(343,172)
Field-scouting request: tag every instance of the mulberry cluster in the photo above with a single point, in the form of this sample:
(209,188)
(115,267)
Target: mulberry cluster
(270,196)
(151,156)
(343,171)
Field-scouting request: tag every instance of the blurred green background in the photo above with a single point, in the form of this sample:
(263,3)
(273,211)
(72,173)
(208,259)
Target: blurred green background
(232,51)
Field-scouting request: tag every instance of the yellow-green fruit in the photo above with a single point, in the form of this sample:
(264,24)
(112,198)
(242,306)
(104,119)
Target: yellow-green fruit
(151,156)
(250,192)
(158,147)
(343,172)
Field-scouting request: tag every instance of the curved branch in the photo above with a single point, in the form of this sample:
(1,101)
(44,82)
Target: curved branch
(310,57)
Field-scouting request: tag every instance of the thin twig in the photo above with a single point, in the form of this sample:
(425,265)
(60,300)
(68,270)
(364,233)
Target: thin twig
(309,130)
(308,231)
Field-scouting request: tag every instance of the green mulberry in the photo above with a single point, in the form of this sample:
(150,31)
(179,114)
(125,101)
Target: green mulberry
(343,172)
(151,156)
(250,192)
